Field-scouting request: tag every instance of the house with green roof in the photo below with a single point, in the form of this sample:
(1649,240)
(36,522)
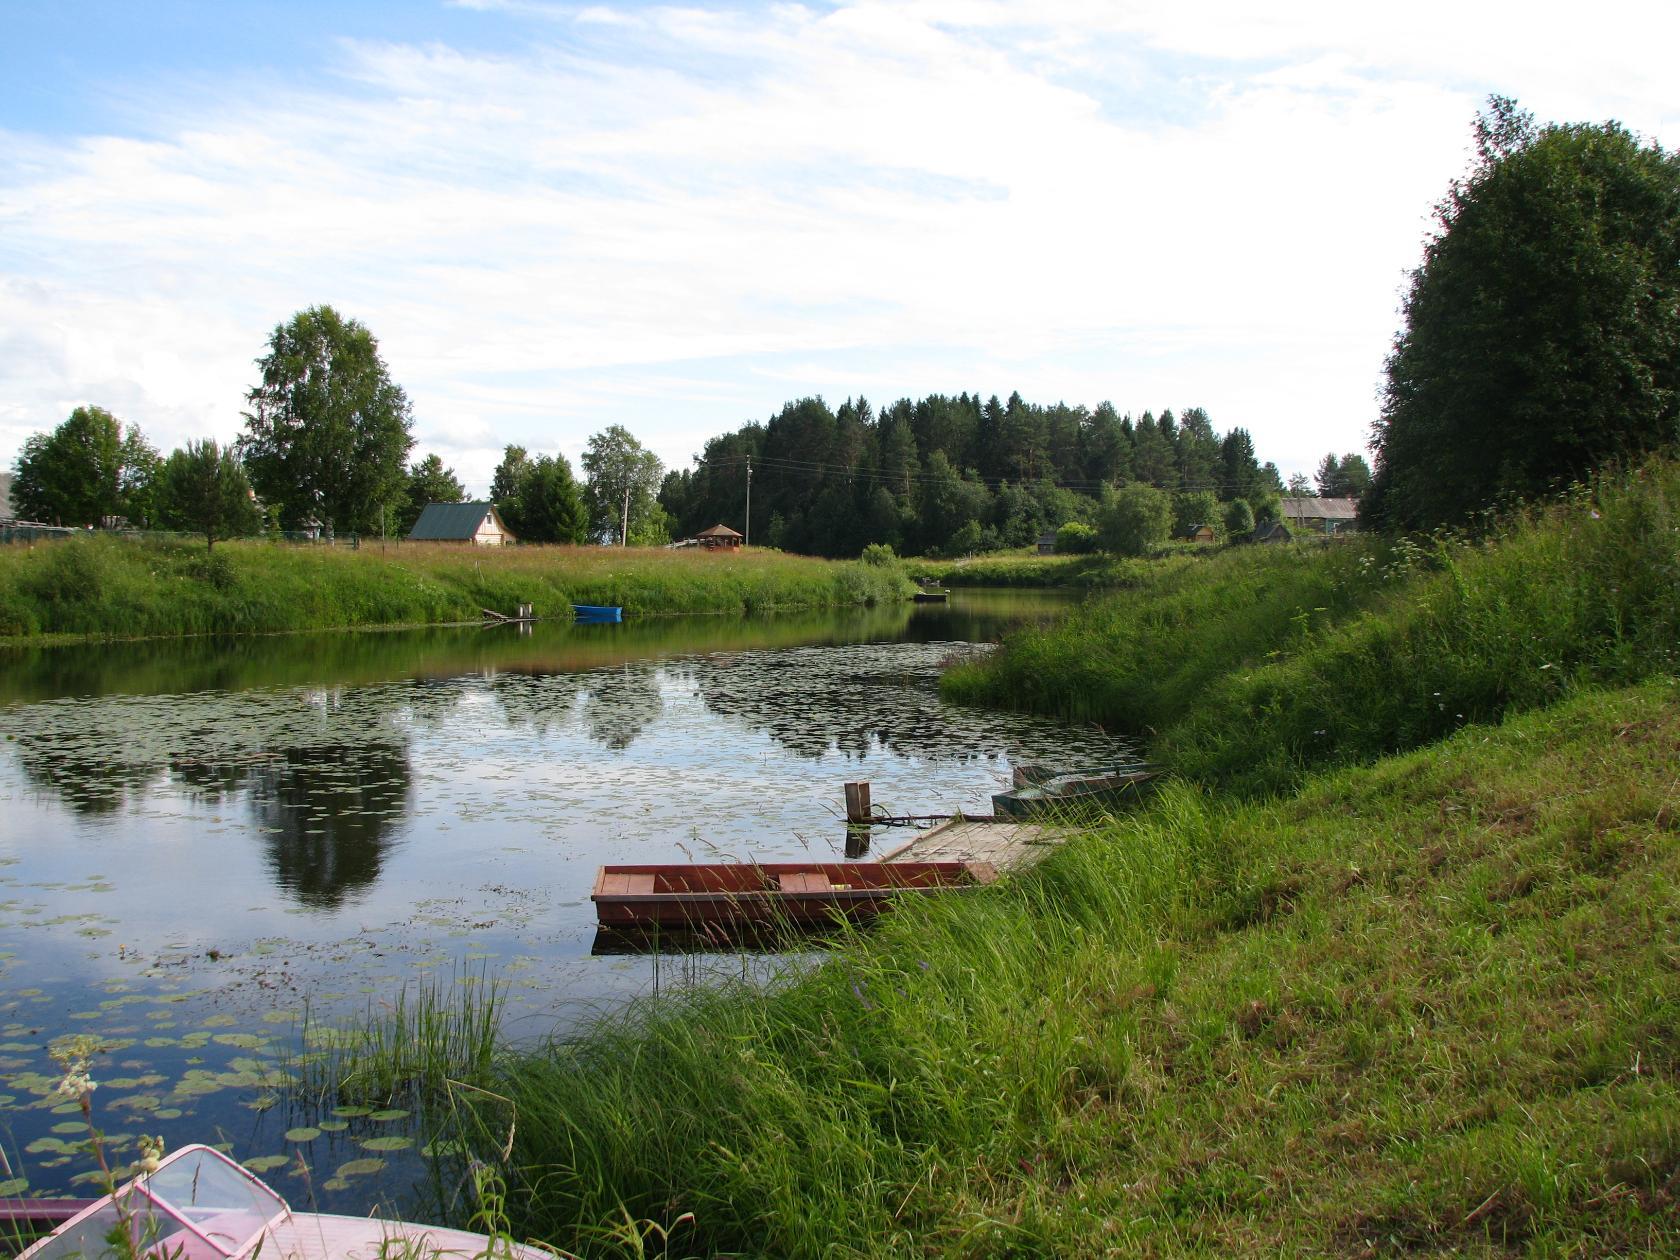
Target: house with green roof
(478,523)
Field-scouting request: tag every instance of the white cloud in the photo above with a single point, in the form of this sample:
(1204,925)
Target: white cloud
(646,218)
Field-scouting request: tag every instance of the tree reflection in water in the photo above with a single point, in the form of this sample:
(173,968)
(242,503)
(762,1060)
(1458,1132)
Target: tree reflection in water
(328,814)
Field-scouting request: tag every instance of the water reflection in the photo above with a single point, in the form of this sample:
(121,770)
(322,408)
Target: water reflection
(328,814)
(621,704)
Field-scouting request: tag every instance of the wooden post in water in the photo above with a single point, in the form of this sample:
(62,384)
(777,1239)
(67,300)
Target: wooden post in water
(857,802)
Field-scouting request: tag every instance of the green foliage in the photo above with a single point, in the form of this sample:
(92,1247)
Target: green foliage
(1134,519)
(328,432)
(879,554)
(1260,664)
(1542,330)
(1239,519)
(1076,539)
(85,472)
(541,501)
(429,482)
(1193,508)
(1345,478)
(204,488)
(1425,1006)
(113,586)
(623,482)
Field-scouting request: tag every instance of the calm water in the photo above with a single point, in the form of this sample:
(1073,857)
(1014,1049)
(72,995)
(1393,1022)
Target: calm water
(198,838)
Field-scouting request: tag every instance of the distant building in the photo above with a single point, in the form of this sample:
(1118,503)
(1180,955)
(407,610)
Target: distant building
(1200,533)
(461,522)
(1321,516)
(718,537)
(1047,543)
(5,496)
(1271,532)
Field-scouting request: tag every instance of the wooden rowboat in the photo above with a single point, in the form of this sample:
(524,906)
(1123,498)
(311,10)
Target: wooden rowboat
(765,895)
(200,1205)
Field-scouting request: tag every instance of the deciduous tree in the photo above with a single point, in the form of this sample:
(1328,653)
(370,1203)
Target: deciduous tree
(623,482)
(328,433)
(1542,329)
(1134,519)
(86,471)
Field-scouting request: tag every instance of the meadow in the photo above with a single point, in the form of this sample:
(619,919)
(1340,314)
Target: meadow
(118,587)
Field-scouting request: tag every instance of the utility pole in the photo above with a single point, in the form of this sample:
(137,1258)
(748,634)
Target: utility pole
(748,530)
(624,533)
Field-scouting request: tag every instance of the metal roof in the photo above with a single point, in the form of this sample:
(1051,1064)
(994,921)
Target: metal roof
(1320,509)
(453,522)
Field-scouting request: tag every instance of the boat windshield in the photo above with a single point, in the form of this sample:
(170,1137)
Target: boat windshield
(198,1205)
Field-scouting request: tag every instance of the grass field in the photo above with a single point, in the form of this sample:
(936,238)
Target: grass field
(133,587)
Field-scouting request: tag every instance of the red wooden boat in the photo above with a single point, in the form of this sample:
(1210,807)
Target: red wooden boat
(768,894)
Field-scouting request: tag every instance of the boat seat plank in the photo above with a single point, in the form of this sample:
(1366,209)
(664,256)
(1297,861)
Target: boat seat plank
(805,882)
(623,883)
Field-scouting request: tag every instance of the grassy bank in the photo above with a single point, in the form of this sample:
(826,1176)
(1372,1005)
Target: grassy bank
(1029,569)
(1428,1005)
(1252,667)
(111,586)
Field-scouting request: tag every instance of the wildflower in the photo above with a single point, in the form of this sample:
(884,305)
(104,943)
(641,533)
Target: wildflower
(74,1056)
(151,1153)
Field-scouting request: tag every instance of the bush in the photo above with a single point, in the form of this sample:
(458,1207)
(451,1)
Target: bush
(1074,539)
(1134,519)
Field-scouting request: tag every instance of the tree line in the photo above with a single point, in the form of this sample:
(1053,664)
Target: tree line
(948,475)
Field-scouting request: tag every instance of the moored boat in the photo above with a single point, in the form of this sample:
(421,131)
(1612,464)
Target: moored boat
(597,612)
(764,895)
(1108,786)
(200,1205)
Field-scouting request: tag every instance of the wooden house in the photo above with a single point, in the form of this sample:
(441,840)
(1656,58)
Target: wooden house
(1200,534)
(1271,532)
(478,523)
(1320,516)
(718,538)
(1047,543)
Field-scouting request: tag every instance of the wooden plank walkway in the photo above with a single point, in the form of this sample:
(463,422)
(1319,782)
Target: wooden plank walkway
(1009,846)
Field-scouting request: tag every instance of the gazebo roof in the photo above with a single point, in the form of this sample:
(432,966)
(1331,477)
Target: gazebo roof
(718,531)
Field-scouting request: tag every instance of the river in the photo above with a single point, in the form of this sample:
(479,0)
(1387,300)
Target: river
(207,847)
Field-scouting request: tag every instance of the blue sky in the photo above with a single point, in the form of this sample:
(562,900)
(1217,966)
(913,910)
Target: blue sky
(557,217)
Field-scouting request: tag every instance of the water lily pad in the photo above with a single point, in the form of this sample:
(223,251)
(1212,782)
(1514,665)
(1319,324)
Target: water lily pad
(168,1113)
(360,1167)
(243,1041)
(390,1113)
(267,1163)
(223,1020)
(442,1147)
(335,1183)
(303,1133)
(14,1187)
(386,1143)
(332,1126)
(352,1111)
(70,1126)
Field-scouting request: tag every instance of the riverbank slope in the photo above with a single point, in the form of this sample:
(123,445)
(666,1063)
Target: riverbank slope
(115,587)
(1426,1005)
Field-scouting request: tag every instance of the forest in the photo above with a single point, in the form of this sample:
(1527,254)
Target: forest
(953,475)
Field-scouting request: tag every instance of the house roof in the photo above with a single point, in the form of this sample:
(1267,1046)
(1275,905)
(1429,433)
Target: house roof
(1271,529)
(453,522)
(1320,509)
(718,531)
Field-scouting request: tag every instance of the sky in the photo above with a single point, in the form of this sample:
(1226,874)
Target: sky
(558,217)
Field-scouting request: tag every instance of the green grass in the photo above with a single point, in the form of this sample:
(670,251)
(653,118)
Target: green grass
(1257,665)
(137,587)
(1027,568)
(1429,1005)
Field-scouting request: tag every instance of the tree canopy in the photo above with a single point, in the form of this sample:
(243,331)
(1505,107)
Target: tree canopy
(328,433)
(203,487)
(624,478)
(539,498)
(1542,329)
(88,470)
(430,482)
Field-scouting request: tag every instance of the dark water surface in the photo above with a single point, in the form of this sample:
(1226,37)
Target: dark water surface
(200,839)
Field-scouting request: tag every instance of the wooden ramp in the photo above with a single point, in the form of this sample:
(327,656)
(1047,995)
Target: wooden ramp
(1009,846)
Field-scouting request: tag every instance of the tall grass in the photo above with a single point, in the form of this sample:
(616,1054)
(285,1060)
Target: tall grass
(114,586)
(1422,1006)
(1251,669)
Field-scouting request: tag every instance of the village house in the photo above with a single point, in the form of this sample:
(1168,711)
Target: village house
(1200,534)
(1047,543)
(1321,516)
(718,537)
(478,523)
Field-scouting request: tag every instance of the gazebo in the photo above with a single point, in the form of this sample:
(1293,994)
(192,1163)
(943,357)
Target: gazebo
(718,537)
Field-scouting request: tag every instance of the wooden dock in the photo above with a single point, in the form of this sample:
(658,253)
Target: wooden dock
(1009,846)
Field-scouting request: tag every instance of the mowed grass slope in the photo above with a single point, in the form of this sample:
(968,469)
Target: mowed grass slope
(113,586)
(1430,1006)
